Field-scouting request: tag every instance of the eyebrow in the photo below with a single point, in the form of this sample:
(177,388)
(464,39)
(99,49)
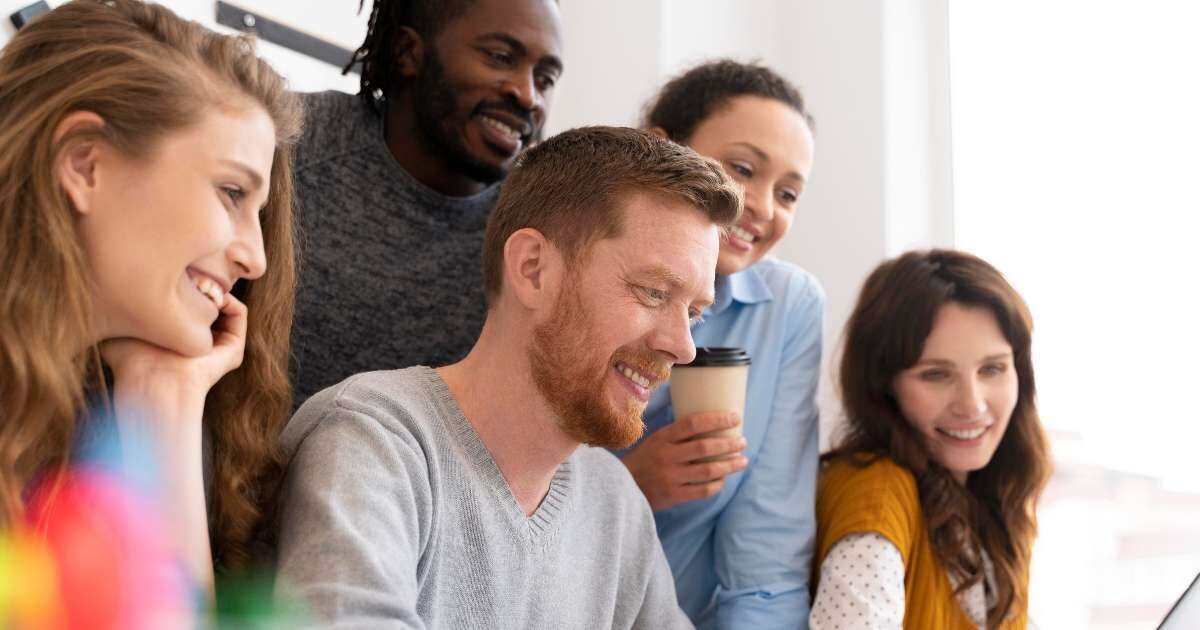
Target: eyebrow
(521,49)
(762,155)
(256,180)
(989,358)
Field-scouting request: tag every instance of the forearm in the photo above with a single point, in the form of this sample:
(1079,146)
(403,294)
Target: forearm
(862,580)
(160,426)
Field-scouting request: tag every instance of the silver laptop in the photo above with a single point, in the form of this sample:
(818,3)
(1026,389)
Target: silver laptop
(1185,614)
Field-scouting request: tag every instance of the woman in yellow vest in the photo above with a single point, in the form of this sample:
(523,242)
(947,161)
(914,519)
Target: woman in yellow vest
(925,507)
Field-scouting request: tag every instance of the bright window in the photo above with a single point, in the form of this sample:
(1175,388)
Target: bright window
(1076,144)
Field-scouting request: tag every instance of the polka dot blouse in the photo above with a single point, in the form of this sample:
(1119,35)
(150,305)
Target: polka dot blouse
(862,587)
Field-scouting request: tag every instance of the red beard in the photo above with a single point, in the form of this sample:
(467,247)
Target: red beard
(567,372)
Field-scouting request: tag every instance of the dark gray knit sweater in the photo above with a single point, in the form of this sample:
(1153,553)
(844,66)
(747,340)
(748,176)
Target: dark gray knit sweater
(390,269)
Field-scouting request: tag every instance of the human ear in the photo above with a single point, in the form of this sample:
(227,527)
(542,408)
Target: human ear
(532,266)
(660,132)
(75,162)
(409,52)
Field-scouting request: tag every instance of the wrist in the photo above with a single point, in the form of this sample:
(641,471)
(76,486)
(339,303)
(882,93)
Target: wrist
(159,401)
(154,387)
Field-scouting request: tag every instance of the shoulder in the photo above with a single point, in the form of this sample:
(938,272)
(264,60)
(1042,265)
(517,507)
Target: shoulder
(334,123)
(876,477)
(790,282)
(795,311)
(391,406)
(867,495)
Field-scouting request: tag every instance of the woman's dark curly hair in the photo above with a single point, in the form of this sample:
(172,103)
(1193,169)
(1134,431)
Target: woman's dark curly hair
(690,98)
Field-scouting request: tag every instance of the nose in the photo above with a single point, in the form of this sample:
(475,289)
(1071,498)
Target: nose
(522,88)
(760,202)
(969,402)
(246,252)
(673,337)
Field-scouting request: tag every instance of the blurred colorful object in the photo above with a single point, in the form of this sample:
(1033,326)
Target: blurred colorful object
(249,600)
(93,553)
(28,584)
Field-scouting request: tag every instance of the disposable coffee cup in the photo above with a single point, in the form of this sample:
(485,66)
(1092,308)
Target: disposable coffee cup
(714,381)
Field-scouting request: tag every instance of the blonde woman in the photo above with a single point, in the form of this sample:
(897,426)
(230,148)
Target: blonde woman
(146,227)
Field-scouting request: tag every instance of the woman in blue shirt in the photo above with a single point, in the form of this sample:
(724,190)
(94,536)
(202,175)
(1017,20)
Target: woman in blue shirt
(739,532)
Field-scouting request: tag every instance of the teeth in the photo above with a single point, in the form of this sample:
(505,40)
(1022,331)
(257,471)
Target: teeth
(969,434)
(210,290)
(741,234)
(635,377)
(502,128)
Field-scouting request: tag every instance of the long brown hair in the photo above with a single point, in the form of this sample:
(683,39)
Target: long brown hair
(884,336)
(146,73)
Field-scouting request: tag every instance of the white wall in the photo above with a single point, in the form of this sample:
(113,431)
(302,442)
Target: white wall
(335,21)
(873,72)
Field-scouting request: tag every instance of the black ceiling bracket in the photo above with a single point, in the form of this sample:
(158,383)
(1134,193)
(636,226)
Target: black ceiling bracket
(22,16)
(277,33)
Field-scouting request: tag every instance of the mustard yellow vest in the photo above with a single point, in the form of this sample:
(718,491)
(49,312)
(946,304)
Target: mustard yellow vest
(882,498)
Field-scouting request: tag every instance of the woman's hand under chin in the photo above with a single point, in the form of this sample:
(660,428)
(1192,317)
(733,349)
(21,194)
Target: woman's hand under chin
(152,376)
(158,400)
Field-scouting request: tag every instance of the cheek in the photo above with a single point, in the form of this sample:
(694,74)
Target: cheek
(471,85)
(781,224)
(728,262)
(920,404)
(1005,399)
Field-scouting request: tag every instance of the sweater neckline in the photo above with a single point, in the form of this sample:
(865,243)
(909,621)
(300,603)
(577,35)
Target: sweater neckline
(547,515)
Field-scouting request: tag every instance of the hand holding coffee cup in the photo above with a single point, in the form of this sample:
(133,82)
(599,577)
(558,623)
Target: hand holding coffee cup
(714,381)
(666,464)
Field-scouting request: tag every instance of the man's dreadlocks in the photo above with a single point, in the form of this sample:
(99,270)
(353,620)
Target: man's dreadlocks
(378,50)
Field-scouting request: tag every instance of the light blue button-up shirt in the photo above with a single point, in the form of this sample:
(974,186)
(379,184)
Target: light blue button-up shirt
(742,558)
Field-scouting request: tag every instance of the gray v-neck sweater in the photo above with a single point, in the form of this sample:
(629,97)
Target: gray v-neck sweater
(393,514)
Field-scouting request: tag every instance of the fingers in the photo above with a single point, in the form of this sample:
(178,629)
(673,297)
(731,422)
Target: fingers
(233,318)
(699,423)
(694,491)
(229,333)
(664,465)
(705,472)
(706,447)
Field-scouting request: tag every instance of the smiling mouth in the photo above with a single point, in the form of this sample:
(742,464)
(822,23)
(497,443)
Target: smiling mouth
(742,234)
(514,134)
(964,435)
(503,137)
(637,380)
(631,373)
(208,288)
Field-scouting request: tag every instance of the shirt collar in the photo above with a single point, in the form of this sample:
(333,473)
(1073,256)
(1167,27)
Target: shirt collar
(745,287)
